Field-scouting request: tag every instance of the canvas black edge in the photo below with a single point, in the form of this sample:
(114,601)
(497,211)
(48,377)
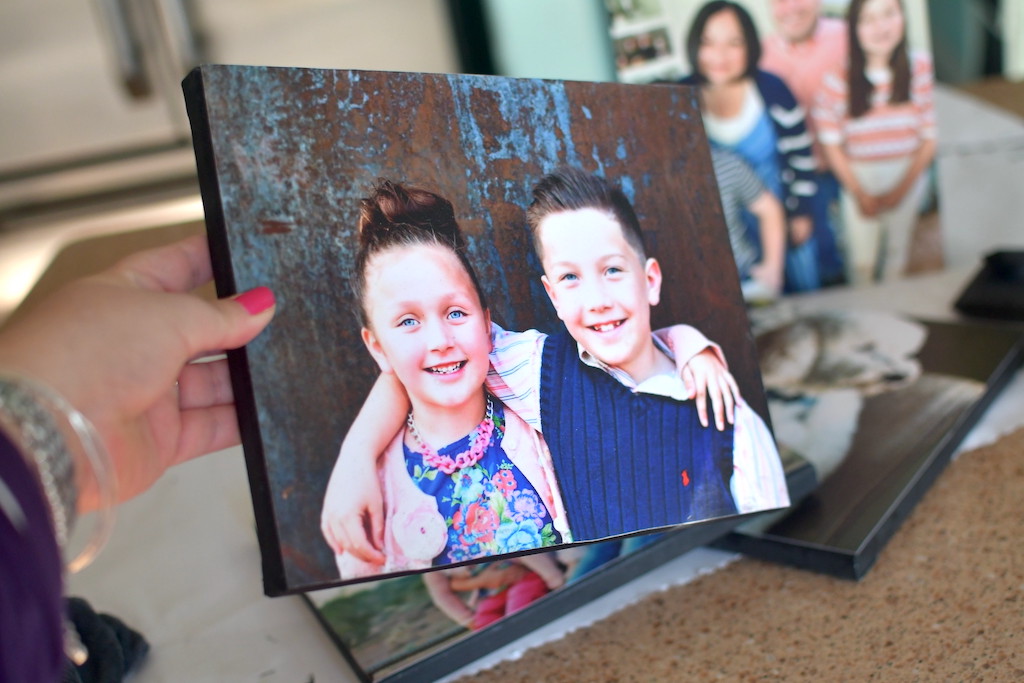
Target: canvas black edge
(801,481)
(866,556)
(193,88)
(996,292)
(798,554)
(358,670)
(854,566)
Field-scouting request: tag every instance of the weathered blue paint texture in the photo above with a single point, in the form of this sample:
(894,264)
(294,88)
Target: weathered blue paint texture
(293,150)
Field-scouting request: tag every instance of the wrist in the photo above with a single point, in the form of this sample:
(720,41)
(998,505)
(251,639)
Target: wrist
(69,460)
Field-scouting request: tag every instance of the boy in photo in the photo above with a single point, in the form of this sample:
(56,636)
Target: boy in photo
(626,443)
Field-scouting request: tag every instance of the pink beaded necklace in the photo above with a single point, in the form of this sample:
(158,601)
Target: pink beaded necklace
(477,444)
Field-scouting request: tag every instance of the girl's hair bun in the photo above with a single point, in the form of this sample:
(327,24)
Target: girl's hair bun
(393,210)
(396,215)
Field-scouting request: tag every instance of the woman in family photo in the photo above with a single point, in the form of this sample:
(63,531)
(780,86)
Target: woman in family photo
(752,113)
(876,123)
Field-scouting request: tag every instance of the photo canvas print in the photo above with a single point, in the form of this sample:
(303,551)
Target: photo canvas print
(515,284)
(822,123)
(418,627)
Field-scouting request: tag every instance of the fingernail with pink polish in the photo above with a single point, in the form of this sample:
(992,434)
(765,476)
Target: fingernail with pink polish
(256,300)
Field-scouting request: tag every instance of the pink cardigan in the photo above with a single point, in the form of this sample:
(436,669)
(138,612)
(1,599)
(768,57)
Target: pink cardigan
(414,529)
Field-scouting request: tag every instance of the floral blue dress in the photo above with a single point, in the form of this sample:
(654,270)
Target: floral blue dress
(489,507)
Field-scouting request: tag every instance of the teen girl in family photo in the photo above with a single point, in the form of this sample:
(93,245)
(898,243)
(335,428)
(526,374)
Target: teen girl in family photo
(876,123)
(608,356)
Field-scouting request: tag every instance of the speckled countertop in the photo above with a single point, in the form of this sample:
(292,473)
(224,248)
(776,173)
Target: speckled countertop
(944,602)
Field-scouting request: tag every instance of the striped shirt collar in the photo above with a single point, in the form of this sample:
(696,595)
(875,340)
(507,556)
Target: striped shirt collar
(666,384)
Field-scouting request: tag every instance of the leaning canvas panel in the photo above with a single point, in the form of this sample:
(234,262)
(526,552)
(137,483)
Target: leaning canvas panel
(397,629)
(829,104)
(285,157)
(877,403)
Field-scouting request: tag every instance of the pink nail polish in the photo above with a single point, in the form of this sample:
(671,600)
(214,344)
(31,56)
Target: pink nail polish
(256,300)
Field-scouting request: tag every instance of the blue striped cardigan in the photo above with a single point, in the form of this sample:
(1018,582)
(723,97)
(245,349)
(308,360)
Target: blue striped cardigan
(793,141)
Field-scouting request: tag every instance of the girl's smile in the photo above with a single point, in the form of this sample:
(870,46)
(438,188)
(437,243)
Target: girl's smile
(447,368)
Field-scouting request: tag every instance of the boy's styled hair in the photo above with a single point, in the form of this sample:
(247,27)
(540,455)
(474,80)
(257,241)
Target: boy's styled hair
(570,189)
(750,37)
(396,215)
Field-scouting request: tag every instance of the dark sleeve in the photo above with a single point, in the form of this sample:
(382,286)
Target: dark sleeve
(31,644)
(793,141)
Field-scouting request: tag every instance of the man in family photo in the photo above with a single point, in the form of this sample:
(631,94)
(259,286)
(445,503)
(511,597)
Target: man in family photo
(803,48)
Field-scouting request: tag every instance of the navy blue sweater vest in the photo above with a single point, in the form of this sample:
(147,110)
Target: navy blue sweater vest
(627,461)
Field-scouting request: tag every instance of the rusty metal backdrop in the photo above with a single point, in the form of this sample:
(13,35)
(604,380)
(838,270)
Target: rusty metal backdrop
(284,155)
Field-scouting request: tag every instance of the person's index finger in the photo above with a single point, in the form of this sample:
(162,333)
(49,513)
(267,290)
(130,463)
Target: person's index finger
(178,267)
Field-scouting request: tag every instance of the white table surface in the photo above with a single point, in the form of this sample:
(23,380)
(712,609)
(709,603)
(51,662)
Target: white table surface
(183,564)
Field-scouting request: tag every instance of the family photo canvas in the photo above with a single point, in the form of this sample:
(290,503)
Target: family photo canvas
(821,116)
(509,318)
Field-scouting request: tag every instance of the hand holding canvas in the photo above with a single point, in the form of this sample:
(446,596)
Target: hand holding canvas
(117,346)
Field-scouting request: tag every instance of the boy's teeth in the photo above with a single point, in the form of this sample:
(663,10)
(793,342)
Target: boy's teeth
(605,327)
(446,369)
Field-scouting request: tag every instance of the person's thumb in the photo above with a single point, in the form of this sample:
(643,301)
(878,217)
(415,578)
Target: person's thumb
(236,321)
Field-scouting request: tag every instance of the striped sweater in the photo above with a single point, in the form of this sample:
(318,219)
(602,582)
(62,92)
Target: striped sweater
(887,130)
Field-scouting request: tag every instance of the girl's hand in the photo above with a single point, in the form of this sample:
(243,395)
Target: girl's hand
(868,204)
(352,518)
(705,376)
(118,347)
(891,199)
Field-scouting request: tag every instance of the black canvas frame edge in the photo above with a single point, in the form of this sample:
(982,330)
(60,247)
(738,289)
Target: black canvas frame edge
(241,380)
(854,566)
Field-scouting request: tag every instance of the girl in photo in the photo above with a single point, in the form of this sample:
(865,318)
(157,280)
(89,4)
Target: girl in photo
(876,124)
(464,478)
